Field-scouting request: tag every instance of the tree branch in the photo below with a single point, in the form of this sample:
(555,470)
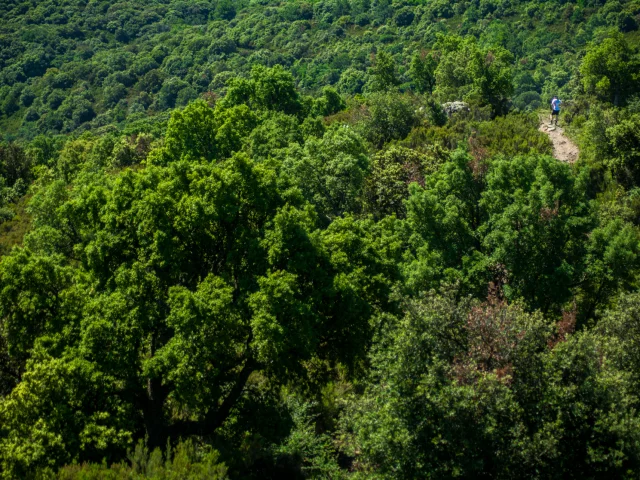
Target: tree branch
(215,418)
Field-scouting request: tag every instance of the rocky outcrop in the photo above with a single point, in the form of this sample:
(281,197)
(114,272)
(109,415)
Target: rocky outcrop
(452,108)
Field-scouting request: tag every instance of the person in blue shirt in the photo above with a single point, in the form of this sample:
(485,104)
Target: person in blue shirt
(555,109)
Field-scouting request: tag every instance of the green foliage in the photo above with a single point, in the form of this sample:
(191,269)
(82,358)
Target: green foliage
(383,72)
(14,164)
(624,141)
(423,69)
(461,389)
(185,461)
(522,230)
(467,72)
(15,175)
(38,409)
(536,222)
(245,284)
(109,55)
(268,88)
(307,451)
(329,103)
(12,230)
(392,172)
(352,81)
(201,132)
(391,117)
(275,133)
(223,224)
(510,135)
(610,69)
(330,171)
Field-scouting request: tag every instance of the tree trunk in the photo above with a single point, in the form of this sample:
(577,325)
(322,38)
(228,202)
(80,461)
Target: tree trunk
(154,419)
(153,407)
(214,418)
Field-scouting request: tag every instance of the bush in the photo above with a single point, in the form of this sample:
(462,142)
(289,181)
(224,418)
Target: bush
(185,461)
(151,82)
(329,103)
(387,187)
(391,117)
(55,99)
(31,115)
(404,17)
(351,81)
(222,45)
(14,164)
(527,101)
(11,102)
(512,135)
(27,97)
(168,94)
(112,94)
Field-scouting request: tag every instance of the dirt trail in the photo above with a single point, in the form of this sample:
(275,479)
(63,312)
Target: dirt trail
(563,148)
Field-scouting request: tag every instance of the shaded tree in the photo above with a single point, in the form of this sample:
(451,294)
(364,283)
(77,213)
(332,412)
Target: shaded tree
(610,69)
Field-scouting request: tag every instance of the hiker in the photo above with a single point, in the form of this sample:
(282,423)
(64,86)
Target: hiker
(555,109)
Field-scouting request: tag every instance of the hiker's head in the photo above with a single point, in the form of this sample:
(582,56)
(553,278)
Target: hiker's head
(554,97)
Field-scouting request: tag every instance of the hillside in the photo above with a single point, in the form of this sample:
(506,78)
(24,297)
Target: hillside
(89,65)
(319,239)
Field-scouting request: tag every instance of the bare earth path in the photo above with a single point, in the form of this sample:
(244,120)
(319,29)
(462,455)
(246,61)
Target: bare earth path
(563,148)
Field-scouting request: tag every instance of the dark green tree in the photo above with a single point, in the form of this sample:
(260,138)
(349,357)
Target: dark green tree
(609,69)
(391,117)
(384,72)
(267,89)
(486,390)
(477,75)
(422,71)
(185,281)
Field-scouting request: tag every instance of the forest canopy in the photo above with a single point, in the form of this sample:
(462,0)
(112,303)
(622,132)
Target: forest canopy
(319,239)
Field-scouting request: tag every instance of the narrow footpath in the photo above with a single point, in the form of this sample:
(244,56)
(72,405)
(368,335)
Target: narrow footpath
(563,148)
